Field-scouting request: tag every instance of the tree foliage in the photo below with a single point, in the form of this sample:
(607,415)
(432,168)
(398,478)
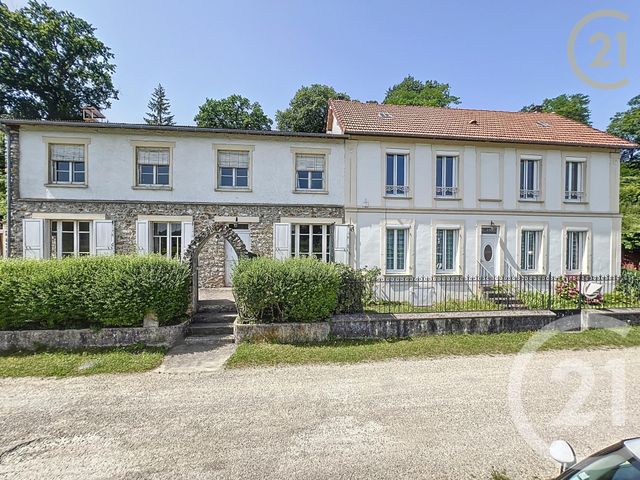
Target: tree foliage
(627,125)
(159,108)
(51,64)
(630,204)
(235,112)
(308,109)
(575,107)
(429,93)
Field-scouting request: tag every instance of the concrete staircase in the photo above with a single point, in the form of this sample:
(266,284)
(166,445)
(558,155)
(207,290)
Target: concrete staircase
(503,297)
(213,322)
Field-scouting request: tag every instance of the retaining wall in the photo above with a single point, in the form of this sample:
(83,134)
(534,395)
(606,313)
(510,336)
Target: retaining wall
(85,338)
(380,325)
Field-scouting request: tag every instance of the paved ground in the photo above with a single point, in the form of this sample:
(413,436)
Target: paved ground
(202,355)
(445,418)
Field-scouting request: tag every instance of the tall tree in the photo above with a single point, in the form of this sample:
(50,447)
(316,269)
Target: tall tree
(159,108)
(51,64)
(235,111)
(627,125)
(308,109)
(575,107)
(430,93)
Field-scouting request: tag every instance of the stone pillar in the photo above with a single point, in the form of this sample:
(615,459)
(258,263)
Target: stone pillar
(14,230)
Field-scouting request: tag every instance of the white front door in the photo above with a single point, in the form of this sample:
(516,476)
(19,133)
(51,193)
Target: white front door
(488,251)
(230,257)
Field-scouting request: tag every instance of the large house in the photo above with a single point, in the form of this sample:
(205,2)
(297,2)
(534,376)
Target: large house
(416,191)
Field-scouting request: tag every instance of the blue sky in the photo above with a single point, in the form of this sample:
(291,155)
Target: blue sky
(501,54)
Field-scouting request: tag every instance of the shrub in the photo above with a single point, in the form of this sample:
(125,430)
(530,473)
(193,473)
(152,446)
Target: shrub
(568,289)
(294,290)
(91,291)
(356,288)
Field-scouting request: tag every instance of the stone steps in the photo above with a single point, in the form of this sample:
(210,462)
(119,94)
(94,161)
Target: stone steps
(216,306)
(213,320)
(209,339)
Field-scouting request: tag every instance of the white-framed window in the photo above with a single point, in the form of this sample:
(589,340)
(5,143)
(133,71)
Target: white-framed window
(166,239)
(310,171)
(574,179)
(153,166)
(446,250)
(530,178)
(70,238)
(233,169)
(311,241)
(397,174)
(575,250)
(530,248)
(67,163)
(446,176)
(397,240)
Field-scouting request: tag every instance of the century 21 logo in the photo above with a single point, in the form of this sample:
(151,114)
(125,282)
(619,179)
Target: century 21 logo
(602,58)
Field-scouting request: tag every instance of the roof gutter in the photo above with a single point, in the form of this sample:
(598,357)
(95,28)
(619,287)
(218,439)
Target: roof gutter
(167,128)
(490,140)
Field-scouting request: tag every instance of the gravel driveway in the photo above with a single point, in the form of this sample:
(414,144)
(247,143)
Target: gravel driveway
(442,418)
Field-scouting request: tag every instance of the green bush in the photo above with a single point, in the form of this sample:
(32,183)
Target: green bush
(91,291)
(294,290)
(356,288)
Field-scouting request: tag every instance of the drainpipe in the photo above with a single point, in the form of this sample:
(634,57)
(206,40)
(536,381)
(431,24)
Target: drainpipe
(7,133)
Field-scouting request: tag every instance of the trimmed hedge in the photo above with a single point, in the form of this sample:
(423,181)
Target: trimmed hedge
(115,291)
(293,290)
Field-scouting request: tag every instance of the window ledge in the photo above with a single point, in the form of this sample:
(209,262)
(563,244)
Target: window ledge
(313,192)
(449,274)
(576,202)
(530,200)
(398,197)
(66,185)
(152,187)
(233,189)
(448,198)
(398,274)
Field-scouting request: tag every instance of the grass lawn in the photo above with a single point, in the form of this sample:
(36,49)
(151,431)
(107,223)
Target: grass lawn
(352,351)
(131,359)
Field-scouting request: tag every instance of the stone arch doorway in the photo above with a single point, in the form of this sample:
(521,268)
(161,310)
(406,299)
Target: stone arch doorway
(199,240)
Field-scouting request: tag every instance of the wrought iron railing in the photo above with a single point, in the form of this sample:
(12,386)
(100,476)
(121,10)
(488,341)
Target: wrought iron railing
(456,293)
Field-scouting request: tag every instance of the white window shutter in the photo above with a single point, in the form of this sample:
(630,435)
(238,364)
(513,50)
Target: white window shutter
(187,235)
(33,238)
(281,240)
(341,244)
(142,237)
(103,234)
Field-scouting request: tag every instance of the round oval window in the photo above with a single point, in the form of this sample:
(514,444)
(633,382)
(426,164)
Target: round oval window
(488,253)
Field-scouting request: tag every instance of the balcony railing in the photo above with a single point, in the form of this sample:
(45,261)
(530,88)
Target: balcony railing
(526,194)
(574,196)
(397,190)
(447,192)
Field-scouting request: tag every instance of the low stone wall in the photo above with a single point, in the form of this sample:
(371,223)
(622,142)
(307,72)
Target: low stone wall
(85,338)
(281,332)
(607,318)
(381,325)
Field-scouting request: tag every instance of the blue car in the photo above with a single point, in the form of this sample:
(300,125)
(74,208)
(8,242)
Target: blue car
(617,462)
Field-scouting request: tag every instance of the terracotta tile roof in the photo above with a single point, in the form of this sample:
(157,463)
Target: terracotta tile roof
(457,123)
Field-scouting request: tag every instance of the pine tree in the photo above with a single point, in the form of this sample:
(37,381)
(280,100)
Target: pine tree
(159,108)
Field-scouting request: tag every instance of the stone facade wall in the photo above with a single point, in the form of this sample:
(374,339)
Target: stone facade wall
(212,255)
